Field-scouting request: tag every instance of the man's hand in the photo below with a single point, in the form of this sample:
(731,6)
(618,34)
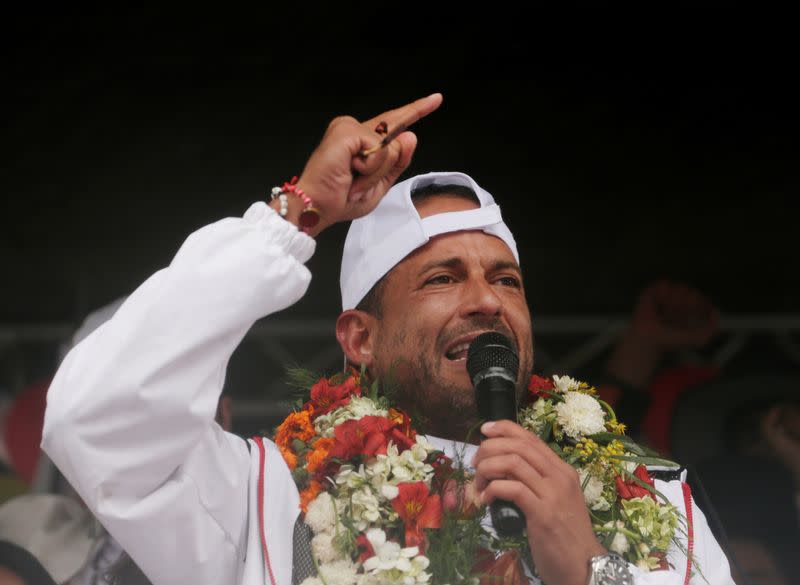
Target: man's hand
(345,185)
(514,465)
(671,315)
(668,316)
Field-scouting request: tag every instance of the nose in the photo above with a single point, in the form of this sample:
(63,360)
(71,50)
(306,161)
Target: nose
(480,298)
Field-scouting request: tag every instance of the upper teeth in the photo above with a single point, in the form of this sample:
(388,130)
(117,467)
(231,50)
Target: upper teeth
(458,348)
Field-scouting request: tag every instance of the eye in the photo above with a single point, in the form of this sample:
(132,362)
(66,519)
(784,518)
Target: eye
(509,281)
(440,279)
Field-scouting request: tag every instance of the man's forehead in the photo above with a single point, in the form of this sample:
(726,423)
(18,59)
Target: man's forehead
(459,248)
(444,203)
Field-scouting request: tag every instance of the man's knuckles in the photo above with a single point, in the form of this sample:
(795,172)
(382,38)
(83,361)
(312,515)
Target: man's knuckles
(342,121)
(500,465)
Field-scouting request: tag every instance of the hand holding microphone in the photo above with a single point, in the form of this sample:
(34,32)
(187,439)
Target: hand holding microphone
(516,471)
(493,365)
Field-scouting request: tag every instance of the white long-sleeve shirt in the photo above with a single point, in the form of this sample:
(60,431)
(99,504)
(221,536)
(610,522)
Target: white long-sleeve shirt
(130,417)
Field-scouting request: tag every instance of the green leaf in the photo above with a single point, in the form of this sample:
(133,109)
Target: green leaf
(373,391)
(299,446)
(608,408)
(547,430)
(605,438)
(657,461)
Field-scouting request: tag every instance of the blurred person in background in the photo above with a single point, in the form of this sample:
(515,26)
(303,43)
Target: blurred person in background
(49,524)
(643,378)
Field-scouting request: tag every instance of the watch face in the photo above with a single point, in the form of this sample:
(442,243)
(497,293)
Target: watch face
(612,569)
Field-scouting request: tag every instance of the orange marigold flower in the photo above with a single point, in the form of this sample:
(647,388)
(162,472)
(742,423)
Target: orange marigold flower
(319,456)
(296,426)
(289,457)
(308,494)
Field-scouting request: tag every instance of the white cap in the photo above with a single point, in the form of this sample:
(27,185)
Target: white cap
(377,242)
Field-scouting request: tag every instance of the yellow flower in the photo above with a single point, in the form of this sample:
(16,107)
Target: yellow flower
(615,447)
(616,427)
(586,447)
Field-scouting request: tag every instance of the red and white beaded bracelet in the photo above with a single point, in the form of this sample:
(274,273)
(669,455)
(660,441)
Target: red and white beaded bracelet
(309,217)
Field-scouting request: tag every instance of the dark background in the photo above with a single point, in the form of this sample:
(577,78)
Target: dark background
(619,154)
(623,146)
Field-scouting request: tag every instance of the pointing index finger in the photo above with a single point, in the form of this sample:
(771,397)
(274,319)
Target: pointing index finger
(408,114)
(398,120)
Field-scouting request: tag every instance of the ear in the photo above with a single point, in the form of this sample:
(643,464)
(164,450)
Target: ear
(355,331)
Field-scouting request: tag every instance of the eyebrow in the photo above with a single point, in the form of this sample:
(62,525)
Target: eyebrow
(455,261)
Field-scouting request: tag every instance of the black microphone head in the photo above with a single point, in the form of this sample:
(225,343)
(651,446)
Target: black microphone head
(491,350)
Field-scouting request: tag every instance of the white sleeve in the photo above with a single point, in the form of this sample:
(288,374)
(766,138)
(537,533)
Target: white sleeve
(130,413)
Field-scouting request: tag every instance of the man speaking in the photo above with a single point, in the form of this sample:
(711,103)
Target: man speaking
(428,266)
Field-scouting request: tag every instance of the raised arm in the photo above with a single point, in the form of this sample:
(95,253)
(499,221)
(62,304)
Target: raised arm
(130,415)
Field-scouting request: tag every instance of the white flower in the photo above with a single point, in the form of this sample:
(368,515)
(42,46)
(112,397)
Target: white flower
(321,514)
(593,491)
(580,414)
(338,573)
(643,564)
(350,477)
(393,564)
(362,406)
(536,417)
(389,491)
(356,408)
(620,544)
(394,468)
(323,548)
(388,555)
(564,384)
(365,507)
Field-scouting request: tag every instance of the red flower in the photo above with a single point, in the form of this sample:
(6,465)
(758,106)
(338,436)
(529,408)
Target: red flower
(365,549)
(442,470)
(400,439)
(630,489)
(324,397)
(403,423)
(418,509)
(539,386)
(365,436)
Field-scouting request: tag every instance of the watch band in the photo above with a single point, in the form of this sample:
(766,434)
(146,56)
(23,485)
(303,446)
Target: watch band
(609,569)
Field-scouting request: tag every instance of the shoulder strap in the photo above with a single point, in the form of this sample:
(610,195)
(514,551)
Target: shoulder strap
(687,501)
(259,441)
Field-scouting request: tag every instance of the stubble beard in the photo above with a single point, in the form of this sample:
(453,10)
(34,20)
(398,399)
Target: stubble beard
(446,409)
(438,406)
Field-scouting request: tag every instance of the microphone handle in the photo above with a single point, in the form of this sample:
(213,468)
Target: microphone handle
(507,519)
(496,397)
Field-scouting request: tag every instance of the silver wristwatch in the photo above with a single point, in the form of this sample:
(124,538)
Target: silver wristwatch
(609,569)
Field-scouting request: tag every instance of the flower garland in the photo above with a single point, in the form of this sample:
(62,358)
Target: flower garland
(386,507)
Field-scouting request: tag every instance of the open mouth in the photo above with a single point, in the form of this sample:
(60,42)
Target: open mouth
(458,349)
(457,353)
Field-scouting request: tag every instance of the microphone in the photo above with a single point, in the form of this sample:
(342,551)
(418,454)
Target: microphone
(493,365)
